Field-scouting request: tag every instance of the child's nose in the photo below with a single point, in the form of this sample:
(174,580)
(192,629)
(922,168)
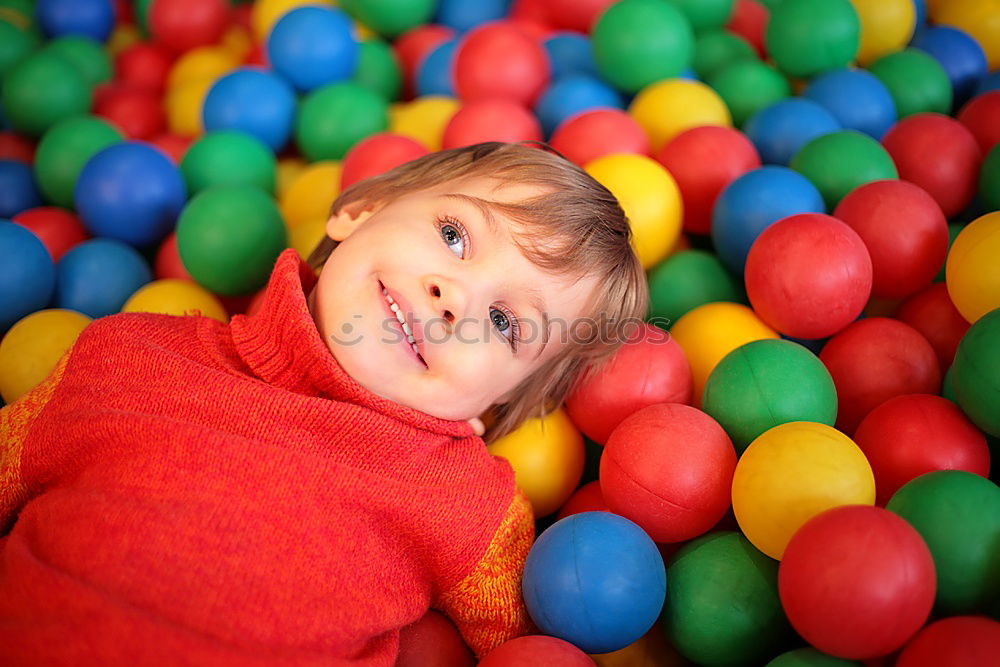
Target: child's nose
(446,314)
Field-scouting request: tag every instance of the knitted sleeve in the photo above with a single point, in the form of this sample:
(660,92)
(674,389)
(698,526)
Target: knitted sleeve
(487,606)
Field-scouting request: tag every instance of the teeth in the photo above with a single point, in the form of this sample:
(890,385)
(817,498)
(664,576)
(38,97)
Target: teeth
(400,317)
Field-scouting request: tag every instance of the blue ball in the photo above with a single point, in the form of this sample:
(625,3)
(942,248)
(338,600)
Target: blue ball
(313,46)
(752,203)
(920,6)
(961,56)
(434,73)
(254,101)
(571,95)
(97,277)
(780,130)
(27,274)
(18,191)
(461,15)
(90,18)
(596,580)
(570,53)
(856,98)
(131,192)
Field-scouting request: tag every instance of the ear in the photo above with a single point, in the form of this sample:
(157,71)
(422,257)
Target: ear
(343,223)
(477,426)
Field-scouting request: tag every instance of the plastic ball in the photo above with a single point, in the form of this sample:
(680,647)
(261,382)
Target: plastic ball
(41,90)
(780,130)
(15,43)
(536,651)
(377,68)
(229,237)
(838,162)
(144,65)
(184,105)
(167,263)
(490,120)
(978,18)
(982,116)
(172,145)
(424,119)
(172,296)
(570,53)
(390,17)
(91,18)
(588,498)
(705,14)
(32,348)
(977,373)
(433,638)
(15,147)
(639,42)
(265,13)
(649,369)
(869,600)
(972,272)
(714,49)
(130,192)
(435,72)
(810,657)
(593,134)
(547,458)
(959,640)
(650,198)
(960,55)
(932,313)
(89,57)
(792,472)
(185,24)
(64,150)
(886,26)
(989,180)
(710,332)
(413,46)
(747,86)
(571,95)
(98,276)
(58,229)
(27,274)
(500,60)
(204,62)
(577,15)
(313,46)
(333,118)
(376,155)
(137,112)
(765,383)
(252,101)
(916,81)
(753,202)
(749,21)
(666,108)
(462,16)
(806,38)
(310,194)
(572,594)
(18,191)
(875,359)
(669,468)
(958,515)
(856,98)
(702,617)
(305,237)
(228,158)
(686,280)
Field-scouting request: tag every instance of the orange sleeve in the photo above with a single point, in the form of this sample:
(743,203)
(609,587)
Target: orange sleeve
(487,605)
(16,420)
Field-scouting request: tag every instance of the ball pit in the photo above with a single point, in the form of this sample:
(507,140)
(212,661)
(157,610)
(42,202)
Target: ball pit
(972,274)
(313,46)
(960,55)
(228,157)
(490,120)
(838,162)
(172,296)
(41,90)
(666,108)
(500,60)
(593,134)
(977,373)
(358,111)
(58,229)
(98,276)
(968,640)
(571,95)
(916,81)
(932,313)
(989,180)
(536,651)
(856,98)
(806,38)
(780,130)
(27,274)
(686,280)
(31,348)
(979,115)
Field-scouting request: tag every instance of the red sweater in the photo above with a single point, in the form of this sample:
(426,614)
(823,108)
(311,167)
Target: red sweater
(182,491)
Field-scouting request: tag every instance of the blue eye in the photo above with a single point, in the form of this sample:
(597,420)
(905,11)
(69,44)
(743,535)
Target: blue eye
(503,321)
(453,236)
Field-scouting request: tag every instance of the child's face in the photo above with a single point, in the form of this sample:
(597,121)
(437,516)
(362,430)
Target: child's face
(460,286)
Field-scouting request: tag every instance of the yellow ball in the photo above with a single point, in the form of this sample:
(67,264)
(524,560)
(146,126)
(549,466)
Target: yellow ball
(979,18)
(288,169)
(32,347)
(886,26)
(309,196)
(791,473)
(972,272)
(713,330)
(204,62)
(423,119)
(237,41)
(547,457)
(267,12)
(183,105)
(306,236)
(650,198)
(173,296)
(666,108)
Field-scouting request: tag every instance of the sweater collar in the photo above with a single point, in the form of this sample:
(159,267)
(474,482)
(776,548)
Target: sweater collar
(282,346)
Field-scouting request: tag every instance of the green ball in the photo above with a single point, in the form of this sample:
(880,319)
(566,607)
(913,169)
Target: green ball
(15,44)
(142,8)
(838,162)
(714,49)
(977,372)
(686,280)
(958,515)
(334,117)
(915,80)
(747,86)
(810,657)
(808,37)
(989,180)
(765,383)
(722,603)
(63,151)
(41,90)
(229,237)
(705,14)
(637,42)
(228,157)
(378,69)
(390,17)
(948,385)
(88,56)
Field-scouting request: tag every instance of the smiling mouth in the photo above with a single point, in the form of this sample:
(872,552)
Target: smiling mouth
(396,311)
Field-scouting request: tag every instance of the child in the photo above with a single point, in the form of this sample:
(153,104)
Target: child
(296,486)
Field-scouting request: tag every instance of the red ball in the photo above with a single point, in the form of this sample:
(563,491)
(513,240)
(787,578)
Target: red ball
(749,21)
(857,581)
(932,313)
(669,468)
(378,154)
(501,60)
(184,24)
(531,11)
(15,147)
(490,120)
(413,45)
(914,434)
(58,229)
(536,651)
(808,275)
(959,641)
(144,65)
(904,230)
(588,498)
(174,145)
(433,640)
(136,112)
(939,154)
(650,368)
(981,115)
(168,262)
(578,15)
(874,360)
(704,160)
(593,134)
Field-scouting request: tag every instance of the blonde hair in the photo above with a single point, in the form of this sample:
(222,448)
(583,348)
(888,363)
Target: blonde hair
(575,228)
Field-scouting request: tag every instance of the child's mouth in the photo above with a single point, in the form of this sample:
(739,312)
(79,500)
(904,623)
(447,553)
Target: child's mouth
(396,312)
